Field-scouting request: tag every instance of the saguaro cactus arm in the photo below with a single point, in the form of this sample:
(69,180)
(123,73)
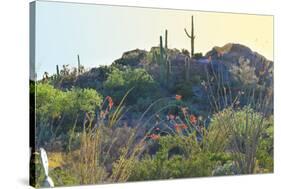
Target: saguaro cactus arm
(191,36)
(186,32)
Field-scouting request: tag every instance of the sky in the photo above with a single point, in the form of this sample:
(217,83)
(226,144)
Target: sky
(101,34)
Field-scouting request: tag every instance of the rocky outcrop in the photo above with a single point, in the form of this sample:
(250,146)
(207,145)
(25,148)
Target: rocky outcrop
(233,55)
(236,64)
(132,58)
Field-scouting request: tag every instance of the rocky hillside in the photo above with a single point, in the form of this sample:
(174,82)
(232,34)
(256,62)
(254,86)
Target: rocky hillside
(232,66)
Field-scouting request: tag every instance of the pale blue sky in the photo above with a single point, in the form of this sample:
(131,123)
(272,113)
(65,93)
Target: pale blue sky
(100,34)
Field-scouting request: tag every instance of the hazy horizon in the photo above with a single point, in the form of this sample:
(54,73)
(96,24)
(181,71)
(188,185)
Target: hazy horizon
(100,34)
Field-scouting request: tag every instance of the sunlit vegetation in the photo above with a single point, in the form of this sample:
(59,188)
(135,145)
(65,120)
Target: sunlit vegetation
(160,114)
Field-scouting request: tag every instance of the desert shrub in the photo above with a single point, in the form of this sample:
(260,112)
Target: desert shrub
(265,148)
(105,153)
(62,177)
(197,55)
(183,88)
(185,52)
(94,164)
(177,157)
(120,81)
(49,101)
(239,132)
(57,111)
(52,103)
(228,168)
(244,73)
(85,161)
(59,176)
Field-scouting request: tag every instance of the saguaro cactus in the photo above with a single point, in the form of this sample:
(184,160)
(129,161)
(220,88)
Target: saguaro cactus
(186,68)
(58,70)
(165,63)
(161,51)
(79,65)
(191,36)
(166,39)
(168,69)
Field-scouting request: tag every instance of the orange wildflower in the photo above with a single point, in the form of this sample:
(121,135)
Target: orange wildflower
(192,119)
(178,97)
(154,136)
(183,126)
(110,102)
(177,128)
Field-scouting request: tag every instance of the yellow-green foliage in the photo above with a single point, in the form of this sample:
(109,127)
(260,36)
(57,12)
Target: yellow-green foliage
(265,149)
(52,102)
(120,81)
(241,133)
(55,159)
(52,105)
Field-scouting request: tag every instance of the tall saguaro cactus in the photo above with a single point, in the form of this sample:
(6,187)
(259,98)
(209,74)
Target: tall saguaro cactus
(186,68)
(165,63)
(79,65)
(166,39)
(168,70)
(58,70)
(161,51)
(191,36)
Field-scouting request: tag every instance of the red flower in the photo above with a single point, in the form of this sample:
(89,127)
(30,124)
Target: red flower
(177,127)
(178,97)
(192,119)
(183,126)
(110,102)
(154,136)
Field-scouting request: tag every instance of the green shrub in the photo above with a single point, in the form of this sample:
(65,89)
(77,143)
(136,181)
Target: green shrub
(120,81)
(57,111)
(240,132)
(265,148)
(197,55)
(63,177)
(228,168)
(177,157)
